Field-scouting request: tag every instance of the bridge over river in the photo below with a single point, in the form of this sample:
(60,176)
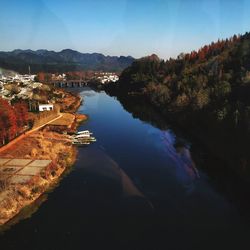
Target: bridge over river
(69,83)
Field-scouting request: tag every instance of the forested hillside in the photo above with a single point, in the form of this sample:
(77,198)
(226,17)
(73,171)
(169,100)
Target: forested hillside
(218,75)
(194,80)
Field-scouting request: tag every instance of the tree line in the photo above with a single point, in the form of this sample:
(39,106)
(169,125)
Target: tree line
(13,119)
(216,77)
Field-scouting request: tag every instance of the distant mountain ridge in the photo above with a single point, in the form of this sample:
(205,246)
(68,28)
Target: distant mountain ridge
(63,61)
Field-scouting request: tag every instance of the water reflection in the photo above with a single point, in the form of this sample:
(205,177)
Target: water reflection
(145,112)
(105,179)
(185,170)
(224,158)
(183,166)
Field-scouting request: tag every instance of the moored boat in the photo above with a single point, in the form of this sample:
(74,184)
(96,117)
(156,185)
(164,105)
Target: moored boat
(83,138)
(84,132)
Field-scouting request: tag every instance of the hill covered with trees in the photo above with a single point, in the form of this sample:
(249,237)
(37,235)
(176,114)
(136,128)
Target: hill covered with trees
(216,73)
(206,91)
(63,61)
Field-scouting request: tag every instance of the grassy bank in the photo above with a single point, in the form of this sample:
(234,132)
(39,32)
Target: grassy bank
(48,144)
(40,145)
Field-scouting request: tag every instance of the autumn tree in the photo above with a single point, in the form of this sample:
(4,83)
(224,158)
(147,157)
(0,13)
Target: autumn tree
(12,119)
(21,111)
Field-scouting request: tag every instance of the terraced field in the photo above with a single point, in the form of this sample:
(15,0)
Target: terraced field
(17,171)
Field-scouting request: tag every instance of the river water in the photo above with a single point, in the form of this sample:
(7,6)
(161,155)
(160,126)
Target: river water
(137,187)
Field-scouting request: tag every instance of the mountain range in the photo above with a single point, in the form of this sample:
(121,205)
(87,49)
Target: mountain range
(63,61)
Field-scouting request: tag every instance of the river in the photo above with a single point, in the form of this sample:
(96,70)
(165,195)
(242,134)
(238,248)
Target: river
(137,187)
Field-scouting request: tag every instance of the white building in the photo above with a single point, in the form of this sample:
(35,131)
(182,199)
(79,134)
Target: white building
(17,78)
(46,107)
(108,77)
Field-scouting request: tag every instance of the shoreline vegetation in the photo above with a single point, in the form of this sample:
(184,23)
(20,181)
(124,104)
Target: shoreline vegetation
(46,143)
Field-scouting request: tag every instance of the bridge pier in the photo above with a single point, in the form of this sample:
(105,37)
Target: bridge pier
(69,84)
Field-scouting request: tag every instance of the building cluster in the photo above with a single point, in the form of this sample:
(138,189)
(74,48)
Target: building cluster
(16,78)
(106,77)
(87,76)
(16,86)
(18,91)
(60,77)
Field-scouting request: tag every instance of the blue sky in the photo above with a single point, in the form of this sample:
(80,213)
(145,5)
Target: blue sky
(120,27)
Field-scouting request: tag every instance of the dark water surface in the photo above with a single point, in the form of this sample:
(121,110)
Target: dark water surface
(135,188)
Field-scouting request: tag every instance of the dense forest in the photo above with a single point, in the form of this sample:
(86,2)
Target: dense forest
(63,61)
(214,74)
(13,120)
(206,91)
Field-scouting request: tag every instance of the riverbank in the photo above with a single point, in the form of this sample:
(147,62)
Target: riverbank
(70,102)
(45,144)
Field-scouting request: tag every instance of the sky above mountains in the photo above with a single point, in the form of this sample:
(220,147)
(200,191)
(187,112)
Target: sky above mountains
(120,27)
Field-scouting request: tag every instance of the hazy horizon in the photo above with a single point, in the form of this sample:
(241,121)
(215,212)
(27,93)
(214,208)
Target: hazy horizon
(121,27)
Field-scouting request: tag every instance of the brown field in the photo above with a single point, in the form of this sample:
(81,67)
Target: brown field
(39,145)
(30,167)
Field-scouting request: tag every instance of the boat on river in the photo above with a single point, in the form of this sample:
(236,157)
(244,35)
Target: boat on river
(84,132)
(83,138)
(78,143)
